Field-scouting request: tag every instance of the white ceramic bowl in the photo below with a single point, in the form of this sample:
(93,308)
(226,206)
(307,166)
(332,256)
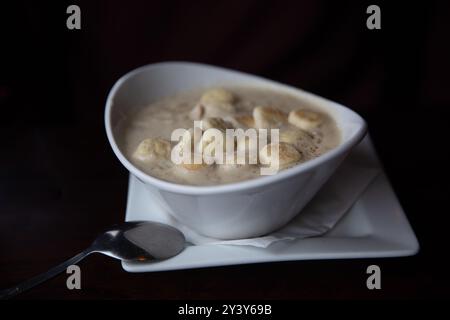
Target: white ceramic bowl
(239,210)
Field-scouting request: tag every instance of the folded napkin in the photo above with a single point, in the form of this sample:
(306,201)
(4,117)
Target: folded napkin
(322,213)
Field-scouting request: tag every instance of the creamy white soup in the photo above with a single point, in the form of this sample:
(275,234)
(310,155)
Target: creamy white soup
(304,132)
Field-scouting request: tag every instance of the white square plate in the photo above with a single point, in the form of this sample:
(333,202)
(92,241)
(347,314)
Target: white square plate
(374,227)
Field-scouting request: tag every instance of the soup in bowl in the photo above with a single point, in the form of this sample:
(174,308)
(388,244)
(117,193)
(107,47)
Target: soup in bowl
(228,154)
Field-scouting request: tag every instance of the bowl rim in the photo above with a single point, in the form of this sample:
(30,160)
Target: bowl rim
(235,186)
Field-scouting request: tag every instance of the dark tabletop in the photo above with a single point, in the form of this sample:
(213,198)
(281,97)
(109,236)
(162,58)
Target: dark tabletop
(60,183)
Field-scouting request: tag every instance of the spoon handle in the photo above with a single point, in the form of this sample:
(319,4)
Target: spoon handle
(30,283)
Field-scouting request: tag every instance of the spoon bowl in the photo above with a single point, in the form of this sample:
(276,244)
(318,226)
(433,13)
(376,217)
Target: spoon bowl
(140,241)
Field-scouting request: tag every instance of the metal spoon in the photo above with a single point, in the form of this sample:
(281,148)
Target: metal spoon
(130,241)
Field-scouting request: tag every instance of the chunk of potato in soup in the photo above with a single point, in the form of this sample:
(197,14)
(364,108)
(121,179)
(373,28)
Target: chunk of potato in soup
(305,132)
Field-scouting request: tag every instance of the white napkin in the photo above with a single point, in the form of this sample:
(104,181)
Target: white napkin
(322,213)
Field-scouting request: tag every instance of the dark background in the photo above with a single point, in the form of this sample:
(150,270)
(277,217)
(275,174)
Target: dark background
(60,183)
